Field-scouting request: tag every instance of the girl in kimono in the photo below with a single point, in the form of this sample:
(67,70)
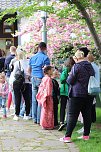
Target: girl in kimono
(45,99)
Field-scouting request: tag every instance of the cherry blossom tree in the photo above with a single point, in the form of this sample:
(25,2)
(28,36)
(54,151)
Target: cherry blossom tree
(61,32)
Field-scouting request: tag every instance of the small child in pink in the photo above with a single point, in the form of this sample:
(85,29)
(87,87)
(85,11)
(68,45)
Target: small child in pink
(45,99)
(3,93)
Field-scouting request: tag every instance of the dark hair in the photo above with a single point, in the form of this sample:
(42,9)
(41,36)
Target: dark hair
(0,53)
(42,45)
(69,62)
(47,68)
(3,53)
(84,50)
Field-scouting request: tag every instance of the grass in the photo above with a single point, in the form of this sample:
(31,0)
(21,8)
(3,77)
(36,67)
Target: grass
(94,144)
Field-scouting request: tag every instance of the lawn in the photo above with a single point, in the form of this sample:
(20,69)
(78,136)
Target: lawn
(94,144)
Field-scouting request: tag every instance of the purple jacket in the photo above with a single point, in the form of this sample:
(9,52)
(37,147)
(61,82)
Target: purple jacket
(78,79)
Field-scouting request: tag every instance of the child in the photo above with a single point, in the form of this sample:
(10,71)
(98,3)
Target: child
(3,93)
(56,93)
(64,90)
(44,97)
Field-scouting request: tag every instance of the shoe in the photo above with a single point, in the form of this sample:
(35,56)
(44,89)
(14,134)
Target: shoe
(61,127)
(4,116)
(66,139)
(81,130)
(84,137)
(21,116)
(30,117)
(12,114)
(34,122)
(16,118)
(26,117)
(38,123)
(8,111)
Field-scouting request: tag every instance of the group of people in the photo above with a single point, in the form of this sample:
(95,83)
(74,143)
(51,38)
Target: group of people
(38,96)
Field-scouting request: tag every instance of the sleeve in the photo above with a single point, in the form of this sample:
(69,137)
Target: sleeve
(30,62)
(11,62)
(63,77)
(49,87)
(6,63)
(47,61)
(6,90)
(71,79)
(15,68)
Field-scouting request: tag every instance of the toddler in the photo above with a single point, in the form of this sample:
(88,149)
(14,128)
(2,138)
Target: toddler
(3,93)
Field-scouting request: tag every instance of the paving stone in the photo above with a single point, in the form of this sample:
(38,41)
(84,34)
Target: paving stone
(24,136)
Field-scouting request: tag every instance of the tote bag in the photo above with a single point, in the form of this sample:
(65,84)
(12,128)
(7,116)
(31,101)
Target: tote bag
(93,86)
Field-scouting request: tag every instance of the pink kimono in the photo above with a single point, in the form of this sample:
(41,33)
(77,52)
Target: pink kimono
(44,97)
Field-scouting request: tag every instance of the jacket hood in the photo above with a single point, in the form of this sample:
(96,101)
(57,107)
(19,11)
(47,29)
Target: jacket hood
(86,65)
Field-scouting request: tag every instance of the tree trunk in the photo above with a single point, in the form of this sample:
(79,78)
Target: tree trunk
(89,23)
(99,8)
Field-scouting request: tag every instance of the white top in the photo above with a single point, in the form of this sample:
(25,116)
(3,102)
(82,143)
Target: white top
(12,62)
(24,66)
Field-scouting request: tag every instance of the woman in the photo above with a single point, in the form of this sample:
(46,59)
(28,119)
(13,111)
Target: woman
(20,91)
(97,76)
(2,60)
(79,99)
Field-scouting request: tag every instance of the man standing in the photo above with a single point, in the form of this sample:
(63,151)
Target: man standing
(36,64)
(8,60)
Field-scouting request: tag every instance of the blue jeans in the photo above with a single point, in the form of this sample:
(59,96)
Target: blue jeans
(3,104)
(36,108)
(22,109)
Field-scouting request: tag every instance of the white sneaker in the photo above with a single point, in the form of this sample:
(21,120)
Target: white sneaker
(16,118)
(26,117)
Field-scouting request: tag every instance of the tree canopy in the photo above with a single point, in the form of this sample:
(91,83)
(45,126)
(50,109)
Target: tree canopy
(84,11)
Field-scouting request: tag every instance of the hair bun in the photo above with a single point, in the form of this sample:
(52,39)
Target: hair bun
(79,54)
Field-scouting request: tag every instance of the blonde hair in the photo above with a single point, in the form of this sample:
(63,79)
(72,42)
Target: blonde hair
(13,49)
(79,55)
(90,57)
(20,55)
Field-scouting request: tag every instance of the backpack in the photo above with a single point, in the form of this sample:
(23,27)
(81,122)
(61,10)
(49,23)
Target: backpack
(19,76)
(93,86)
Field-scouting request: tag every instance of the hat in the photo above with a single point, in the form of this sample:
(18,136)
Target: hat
(84,50)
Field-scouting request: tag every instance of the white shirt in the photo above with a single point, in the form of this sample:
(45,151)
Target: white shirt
(24,66)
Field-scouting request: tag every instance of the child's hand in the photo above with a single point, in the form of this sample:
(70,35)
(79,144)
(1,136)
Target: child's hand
(0,94)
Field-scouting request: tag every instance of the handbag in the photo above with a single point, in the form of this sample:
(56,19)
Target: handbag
(93,86)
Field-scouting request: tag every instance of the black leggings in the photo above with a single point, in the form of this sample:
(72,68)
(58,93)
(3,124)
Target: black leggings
(18,92)
(75,105)
(63,103)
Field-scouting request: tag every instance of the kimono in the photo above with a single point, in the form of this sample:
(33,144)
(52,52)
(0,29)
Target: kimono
(44,98)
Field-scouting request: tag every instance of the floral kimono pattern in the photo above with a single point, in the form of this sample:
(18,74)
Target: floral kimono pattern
(44,97)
